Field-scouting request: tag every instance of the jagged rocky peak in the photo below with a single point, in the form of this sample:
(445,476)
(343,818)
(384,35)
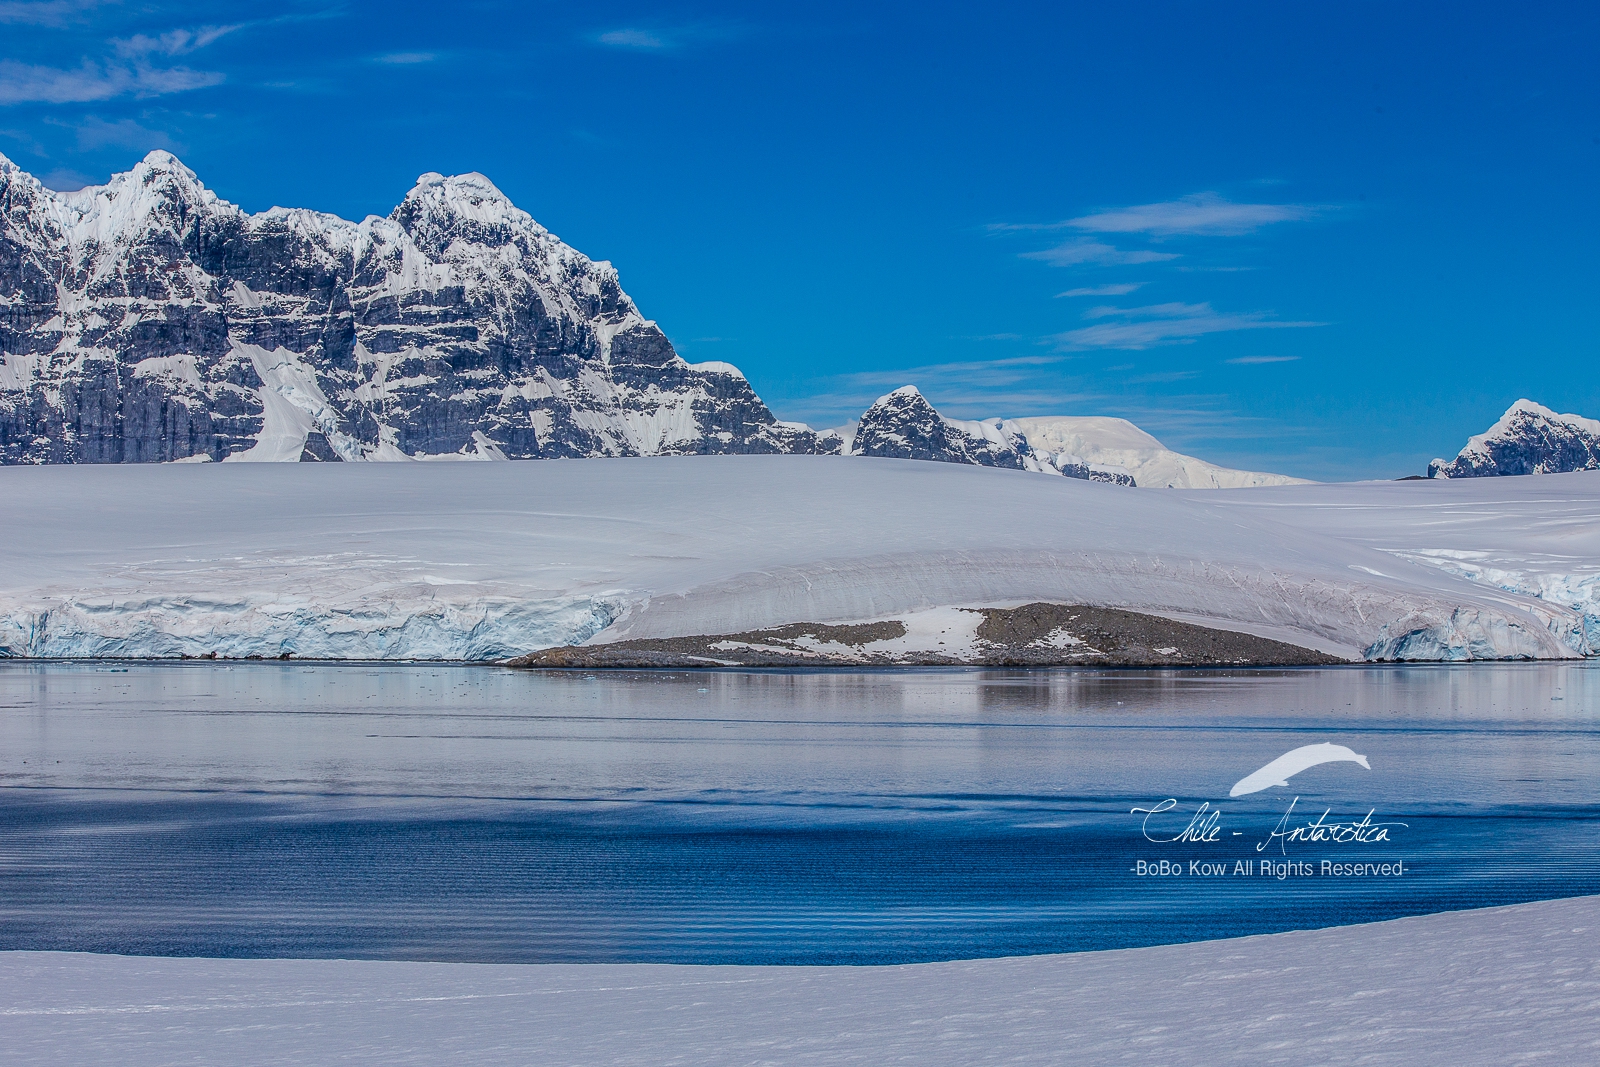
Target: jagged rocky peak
(150,320)
(903,425)
(467,207)
(1528,439)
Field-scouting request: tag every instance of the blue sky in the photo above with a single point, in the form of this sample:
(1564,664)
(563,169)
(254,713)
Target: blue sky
(1330,240)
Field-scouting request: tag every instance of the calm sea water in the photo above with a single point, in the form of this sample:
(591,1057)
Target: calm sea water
(479,814)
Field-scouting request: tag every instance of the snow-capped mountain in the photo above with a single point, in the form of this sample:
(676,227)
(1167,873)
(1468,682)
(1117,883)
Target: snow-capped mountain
(1528,439)
(903,425)
(149,320)
(1110,443)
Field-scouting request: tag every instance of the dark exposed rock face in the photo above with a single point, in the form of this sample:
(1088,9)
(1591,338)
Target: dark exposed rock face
(1528,439)
(903,425)
(148,320)
(1073,467)
(1033,635)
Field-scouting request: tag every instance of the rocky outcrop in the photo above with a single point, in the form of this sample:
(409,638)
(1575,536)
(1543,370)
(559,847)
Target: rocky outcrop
(1033,635)
(1528,439)
(903,425)
(148,320)
(1072,466)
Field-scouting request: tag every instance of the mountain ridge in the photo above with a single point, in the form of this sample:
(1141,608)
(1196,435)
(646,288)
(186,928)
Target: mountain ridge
(150,320)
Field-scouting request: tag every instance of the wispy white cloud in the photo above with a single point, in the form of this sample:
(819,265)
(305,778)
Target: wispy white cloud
(26,83)
(172,43)
(667,38)
(1163,324)
(1024,227)
(1163,377)
(406,59)
(956,394)
(636,40)
(1197,215)
(96,133)
(45,12)
(1172,310)
(1085,251)
(1253,360)
(1037,385)
(995,386)
(1005,371)
(1120,289)
(1201,215)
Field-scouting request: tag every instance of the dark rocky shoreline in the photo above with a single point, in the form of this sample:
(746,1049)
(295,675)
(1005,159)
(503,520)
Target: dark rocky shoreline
(1033,635)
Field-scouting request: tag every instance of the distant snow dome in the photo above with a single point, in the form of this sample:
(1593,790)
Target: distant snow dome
(1111,442)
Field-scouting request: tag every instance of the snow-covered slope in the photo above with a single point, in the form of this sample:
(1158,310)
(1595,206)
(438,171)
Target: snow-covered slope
(1528,439)
(150,320)
(483,561)
(1499,986)
(1118,443)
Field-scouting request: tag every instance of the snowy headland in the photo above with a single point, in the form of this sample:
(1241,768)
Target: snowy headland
(1496,986)
(488,561)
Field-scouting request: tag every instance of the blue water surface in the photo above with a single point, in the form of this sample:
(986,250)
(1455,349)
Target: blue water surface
(438,813)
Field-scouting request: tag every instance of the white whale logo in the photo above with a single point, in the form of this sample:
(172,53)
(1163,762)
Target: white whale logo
(1280,770)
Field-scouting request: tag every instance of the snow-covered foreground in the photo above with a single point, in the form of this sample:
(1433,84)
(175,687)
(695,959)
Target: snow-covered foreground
(483,561)
(1499,986)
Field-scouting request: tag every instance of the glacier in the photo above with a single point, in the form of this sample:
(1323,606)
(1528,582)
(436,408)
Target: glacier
(1534,537)
(485,561)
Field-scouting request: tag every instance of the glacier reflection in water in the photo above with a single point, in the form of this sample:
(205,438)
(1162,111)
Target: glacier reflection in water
(445,813)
